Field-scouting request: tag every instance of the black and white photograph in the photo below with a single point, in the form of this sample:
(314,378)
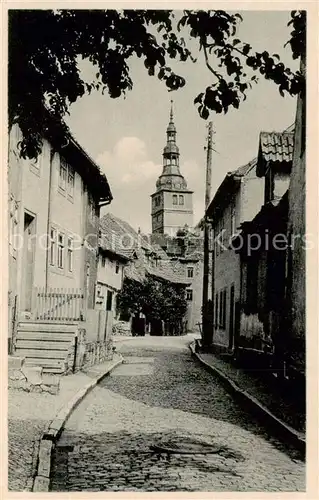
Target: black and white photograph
(156,249)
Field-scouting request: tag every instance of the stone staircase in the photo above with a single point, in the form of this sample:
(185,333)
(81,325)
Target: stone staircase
(45,344)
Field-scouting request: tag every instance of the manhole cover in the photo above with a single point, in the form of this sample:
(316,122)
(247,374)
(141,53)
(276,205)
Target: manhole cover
(186,447)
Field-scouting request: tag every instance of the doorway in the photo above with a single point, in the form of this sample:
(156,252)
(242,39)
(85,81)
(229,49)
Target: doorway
(109,300)
(231,317)
(29,232)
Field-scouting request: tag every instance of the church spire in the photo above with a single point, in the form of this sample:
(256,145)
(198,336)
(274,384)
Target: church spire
(171,113)
(171,176)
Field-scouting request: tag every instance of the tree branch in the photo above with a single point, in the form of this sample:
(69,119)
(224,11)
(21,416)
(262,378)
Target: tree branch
(207,62)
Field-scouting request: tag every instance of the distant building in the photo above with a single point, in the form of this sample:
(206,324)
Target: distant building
(112,260)
(172,216)
(130,255)
(172,202)
(185,252)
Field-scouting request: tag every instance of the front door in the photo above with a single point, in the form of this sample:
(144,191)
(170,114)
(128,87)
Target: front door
(231,317)
(28,261)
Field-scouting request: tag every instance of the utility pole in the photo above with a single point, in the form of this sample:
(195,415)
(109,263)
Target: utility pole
(206,326)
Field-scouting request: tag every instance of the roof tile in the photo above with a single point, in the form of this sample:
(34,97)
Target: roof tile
(277,146)
(119,237)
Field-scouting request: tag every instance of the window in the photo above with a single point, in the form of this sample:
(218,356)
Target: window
(52,246)
(252,283)
(220,308)
(181,199)
(70,255)
(215,240)
(190,272)
(70,182)
(223,239)
(103,261)
(269,185)
(174,199)
(61,251)
(63,175)
(173,160)
(189,295)
(117,267)
(216,310)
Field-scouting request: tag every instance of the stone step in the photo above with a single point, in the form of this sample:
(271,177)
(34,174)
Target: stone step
(31,326)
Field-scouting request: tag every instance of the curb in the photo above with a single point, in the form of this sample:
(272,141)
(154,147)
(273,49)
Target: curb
(119,339)
(284,431)
(50,436)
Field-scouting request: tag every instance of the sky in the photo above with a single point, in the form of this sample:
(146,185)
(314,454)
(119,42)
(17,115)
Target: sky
(126,136)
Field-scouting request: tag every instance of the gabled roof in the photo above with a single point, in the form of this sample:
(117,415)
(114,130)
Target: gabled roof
(120,236)
(111,241)
(59,135)
(245,169)
(276,148)
(228,187)
(168,273)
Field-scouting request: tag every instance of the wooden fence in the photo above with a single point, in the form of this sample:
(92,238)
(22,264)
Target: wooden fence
(59,304)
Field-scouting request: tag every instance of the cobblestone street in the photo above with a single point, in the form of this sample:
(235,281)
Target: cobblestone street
(118,437)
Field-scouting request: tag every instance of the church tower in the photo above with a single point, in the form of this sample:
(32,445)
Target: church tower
(172,202)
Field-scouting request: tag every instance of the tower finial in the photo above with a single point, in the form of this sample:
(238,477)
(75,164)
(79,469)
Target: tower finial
(171,113)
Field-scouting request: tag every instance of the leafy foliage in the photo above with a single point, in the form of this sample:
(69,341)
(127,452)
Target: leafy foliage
(157,300)
(45,47)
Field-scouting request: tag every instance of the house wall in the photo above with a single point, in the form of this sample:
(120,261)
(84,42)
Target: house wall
(36,190)
(194,306)
(245,203)
(33,199)
(66,216)
(255,325)
(227,273)
(91,237)
(108,279)
(251,196)
(14,216)
(108,275)
(281,184)
(296,227)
